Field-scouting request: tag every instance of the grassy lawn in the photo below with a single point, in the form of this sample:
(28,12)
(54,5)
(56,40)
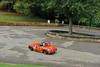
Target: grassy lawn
(12,17)
(20,65)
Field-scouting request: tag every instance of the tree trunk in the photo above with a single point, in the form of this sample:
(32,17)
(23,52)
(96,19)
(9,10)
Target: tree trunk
(70,26)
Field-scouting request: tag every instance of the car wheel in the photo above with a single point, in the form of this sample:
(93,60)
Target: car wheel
(30,48)
(45,52)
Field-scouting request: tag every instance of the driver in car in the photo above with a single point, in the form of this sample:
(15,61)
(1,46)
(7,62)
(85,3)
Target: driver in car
(44,43)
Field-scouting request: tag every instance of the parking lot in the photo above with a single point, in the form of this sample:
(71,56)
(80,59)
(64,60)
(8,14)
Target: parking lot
(14,41)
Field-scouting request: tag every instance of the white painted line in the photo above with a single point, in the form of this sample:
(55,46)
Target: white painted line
(66,44)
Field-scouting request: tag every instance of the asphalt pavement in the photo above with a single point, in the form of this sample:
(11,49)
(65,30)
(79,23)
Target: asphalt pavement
(15,39)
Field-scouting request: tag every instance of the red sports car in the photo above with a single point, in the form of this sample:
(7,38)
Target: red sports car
(43,47)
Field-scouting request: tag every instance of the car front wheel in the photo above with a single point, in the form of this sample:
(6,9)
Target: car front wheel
(30,48)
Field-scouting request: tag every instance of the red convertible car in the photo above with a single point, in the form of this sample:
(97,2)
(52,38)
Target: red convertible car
(43,47)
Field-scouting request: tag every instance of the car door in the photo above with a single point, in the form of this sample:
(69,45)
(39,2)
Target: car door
(39,49)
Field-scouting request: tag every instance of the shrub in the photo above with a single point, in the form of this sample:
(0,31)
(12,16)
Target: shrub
(4,5)
(22,8)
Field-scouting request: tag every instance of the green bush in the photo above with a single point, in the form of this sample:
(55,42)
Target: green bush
(22,8)
(4,5)
(97,24)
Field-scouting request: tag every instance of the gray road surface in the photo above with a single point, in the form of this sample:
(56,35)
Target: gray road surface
(14,41)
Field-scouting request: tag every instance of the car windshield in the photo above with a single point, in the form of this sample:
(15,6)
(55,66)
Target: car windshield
(44,43)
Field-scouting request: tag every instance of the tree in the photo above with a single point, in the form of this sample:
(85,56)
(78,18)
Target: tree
(73,10)
(77,9)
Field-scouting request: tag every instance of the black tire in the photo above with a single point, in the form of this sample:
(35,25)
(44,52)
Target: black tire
(30,48)
(45,52)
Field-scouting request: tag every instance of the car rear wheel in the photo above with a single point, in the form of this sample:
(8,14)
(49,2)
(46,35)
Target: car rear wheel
(45,52)
(30,48)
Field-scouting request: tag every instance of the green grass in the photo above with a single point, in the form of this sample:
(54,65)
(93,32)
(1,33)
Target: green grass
(20,65)
(12,17)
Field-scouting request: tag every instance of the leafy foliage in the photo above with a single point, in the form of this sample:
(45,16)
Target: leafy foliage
(72,10)
(7,4)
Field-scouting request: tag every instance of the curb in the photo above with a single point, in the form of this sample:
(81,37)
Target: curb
(53,35)
(28,24)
